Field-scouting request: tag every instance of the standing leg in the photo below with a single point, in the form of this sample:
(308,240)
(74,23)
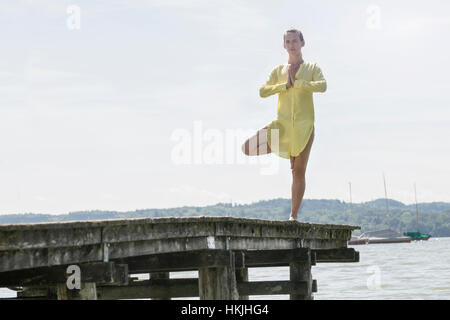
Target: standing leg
(298,166)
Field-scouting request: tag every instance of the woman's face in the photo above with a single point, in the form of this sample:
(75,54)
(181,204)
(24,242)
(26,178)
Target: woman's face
(292,43)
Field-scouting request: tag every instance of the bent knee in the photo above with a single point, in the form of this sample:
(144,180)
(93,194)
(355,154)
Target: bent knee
(245,148)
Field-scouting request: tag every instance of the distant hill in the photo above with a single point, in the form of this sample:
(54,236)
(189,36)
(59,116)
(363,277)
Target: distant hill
(434,218)
(381,204)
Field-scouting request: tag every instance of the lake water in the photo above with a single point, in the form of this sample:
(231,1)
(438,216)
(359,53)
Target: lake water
(416,270)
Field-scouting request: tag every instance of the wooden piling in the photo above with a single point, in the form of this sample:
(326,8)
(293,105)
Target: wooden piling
(87,291)
(218,283)
(159,276)
(300,270)
(242,276)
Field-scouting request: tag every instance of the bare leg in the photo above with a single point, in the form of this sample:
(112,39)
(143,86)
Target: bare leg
(257,144)
(298,166)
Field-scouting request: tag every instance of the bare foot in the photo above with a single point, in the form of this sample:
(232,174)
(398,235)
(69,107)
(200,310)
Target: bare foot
(292,217)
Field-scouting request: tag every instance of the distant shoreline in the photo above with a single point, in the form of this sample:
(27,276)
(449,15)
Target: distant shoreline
(434,217)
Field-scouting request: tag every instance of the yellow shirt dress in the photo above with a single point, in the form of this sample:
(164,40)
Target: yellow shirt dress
(295,110)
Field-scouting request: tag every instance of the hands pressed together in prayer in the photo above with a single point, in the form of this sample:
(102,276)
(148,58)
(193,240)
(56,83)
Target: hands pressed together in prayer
(292,71)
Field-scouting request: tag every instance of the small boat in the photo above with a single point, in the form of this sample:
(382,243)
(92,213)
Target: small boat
(379,236)
(357,240)
(417,235)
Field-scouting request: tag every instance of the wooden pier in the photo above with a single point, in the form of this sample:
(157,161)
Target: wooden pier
(97,259)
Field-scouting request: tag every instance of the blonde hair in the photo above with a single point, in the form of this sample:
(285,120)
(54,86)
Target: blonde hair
(300,34)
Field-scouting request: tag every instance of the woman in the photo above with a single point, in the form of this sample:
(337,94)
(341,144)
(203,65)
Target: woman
(292,134)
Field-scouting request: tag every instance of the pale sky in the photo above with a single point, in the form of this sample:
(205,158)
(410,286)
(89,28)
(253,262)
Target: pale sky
(95,94)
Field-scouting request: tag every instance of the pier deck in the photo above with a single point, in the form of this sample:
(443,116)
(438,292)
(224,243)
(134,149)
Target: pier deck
(48,260)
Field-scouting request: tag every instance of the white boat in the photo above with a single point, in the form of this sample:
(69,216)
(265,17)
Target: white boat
(380,236)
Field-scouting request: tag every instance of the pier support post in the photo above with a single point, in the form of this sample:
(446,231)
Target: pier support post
(242,276)
(158,276)
(301,271)
(218,282)
(87,291)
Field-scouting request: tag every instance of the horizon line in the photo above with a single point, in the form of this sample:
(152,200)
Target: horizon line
(210,205)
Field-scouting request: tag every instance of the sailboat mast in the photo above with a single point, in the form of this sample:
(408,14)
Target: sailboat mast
(350,187)
(385,195)
(417,208)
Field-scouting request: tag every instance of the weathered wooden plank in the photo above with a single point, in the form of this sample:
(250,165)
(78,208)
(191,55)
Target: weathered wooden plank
(337,255)
(48,293)
(323,243)
(176,261)
(99,272)
(35,258)
(157,231)
(35,238)
(192,260)
(48,238)
(243,243)
(164,220)
(145,289)
(139,248)
(147,247)
(63,234)
(22,259)
(183,288)
(261,258)
(129,249)
(272,287)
